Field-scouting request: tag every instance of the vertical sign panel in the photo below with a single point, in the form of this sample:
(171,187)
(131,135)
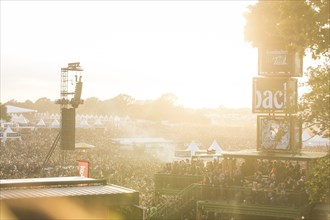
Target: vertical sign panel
(279,63)
(83,168)
(279,134)
(274,95)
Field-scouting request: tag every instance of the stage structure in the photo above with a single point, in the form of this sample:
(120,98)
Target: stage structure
(275,95)
(70,99)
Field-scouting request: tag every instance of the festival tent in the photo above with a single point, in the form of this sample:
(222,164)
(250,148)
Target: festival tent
(83,124)
(215,147)
(9,133)
(55,124)
(9,130)
(101,118)
(190,151)
(193,148)
(41,123)
(106,118)
(21,120)
(98,123)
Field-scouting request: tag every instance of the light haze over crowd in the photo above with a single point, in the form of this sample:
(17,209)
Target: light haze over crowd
(193,49)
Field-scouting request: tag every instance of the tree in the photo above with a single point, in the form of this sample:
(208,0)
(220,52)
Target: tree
(91,105)
(164,106)
(298,25)
(315,104)
(318,181)
(292,24)
(46,105)
(4,115)
(120,104)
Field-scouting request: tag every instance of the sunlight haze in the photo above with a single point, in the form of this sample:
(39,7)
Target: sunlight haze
(193,49)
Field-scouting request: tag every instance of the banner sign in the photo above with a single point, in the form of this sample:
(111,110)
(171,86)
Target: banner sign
(83,168)
(279,62)
(276,95)
(279,133)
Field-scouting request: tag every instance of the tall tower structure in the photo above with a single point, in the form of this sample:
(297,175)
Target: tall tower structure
(71,88)
(275,95)
(70,99)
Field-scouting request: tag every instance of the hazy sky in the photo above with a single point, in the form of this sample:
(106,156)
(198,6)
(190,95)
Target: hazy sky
(194,49)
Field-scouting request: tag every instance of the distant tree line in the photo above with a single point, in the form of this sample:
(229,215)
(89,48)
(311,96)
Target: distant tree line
(164,108)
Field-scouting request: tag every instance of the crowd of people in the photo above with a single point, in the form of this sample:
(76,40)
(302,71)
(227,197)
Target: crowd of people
(270,181)
(251,181)
(25,159)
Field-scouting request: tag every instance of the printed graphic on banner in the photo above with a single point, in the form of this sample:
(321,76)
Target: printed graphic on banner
(279,133)
(83,168)
(275,134)
(279,63)
(278,95)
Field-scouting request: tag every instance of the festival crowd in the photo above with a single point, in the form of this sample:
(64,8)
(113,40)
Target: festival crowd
(270,181)
(25,159)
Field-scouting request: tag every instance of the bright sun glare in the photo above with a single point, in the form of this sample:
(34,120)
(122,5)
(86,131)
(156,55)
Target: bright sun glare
(193,49)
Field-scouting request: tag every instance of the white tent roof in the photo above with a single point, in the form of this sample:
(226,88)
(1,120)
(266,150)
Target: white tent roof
(13,109)
(9,133)
(83,124)
(20,119)
(215,146)
(41,123)
(193,147)
(8,130)
(23,118)
(55,124)
(98,122)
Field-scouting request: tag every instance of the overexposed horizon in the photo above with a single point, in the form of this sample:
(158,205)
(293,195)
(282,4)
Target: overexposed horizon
(193,49)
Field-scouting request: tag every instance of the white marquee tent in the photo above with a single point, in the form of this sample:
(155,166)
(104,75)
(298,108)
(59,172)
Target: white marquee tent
(83,124)
(9,134)
(41,123)
(98,123)
(55,124)
(215,147)
(193,148)
(19,119)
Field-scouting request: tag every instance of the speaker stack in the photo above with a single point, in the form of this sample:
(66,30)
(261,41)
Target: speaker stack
(68,128)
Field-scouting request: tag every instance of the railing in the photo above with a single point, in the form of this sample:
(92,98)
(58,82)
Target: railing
(230,196)
(175,182)
(181,201)
(247,195)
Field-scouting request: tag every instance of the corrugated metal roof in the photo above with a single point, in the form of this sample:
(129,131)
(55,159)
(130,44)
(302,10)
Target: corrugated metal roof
(46,180)
(63,192)
(29,182)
